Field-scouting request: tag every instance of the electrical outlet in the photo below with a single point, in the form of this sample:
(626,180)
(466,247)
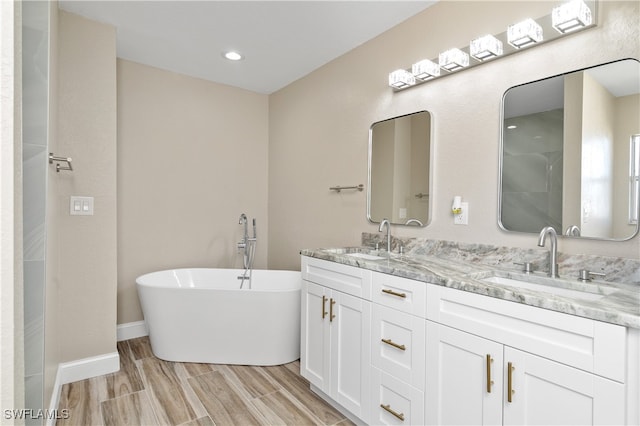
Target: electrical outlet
(463,217)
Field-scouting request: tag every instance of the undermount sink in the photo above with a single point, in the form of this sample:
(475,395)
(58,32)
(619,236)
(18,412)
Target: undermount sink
(365,256)
(552,286)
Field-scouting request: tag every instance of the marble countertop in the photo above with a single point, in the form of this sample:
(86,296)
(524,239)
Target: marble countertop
(612,302)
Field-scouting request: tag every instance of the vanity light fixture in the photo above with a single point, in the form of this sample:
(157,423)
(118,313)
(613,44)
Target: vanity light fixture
(453,59)
(401,79)
(571,16)
(485,47)
(524,33)
(425,70)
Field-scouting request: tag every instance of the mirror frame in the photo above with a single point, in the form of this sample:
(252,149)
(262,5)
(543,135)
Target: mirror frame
(560,232)
(430,173)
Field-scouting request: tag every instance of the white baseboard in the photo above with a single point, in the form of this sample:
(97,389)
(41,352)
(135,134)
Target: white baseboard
(131,330)
(81,369)
(89,367)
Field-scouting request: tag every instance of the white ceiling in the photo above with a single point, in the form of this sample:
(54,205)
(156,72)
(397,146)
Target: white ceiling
(282,41)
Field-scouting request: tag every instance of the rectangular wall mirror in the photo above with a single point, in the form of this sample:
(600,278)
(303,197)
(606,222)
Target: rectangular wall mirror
(570,153)
(399,170)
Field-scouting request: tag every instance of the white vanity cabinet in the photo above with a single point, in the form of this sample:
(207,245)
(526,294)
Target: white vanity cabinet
(392,350)
(491,361)
(336,320)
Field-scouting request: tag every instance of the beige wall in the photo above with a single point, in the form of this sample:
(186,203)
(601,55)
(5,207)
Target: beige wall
(192,156)
(81,252)
(318,126)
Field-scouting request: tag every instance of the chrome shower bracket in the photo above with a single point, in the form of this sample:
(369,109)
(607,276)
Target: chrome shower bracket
(58,160)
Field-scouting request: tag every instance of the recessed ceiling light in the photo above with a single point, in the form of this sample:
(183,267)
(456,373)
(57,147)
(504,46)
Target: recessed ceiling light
(512,127)
(232,56)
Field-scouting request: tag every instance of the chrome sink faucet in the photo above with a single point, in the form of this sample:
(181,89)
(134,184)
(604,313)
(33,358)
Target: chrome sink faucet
(388,224)
(553,251)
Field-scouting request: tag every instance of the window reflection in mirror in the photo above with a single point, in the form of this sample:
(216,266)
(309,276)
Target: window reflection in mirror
(399,170)
(566,154)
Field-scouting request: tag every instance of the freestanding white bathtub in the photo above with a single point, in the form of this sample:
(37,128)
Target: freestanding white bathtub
(201,315)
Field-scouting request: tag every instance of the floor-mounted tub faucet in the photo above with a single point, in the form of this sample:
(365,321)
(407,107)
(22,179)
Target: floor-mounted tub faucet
(388,224)
(248,247)
(553,250)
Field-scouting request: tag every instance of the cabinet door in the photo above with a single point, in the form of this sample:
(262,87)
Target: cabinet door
(350,319)
(314,347)
(461,386)
(547,392)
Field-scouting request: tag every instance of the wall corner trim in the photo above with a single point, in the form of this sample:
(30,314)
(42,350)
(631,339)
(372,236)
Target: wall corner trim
(132,330)
(81,369)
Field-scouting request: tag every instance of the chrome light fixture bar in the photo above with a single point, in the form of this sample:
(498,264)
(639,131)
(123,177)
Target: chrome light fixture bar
(568,18)
(571,16)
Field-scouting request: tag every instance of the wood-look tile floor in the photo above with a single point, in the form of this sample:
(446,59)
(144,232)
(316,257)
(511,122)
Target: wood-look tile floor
(150,391)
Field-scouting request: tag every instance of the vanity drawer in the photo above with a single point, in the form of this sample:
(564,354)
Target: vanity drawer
(590,345)
(400,293)
(395,402)
(344,278)
(398,345)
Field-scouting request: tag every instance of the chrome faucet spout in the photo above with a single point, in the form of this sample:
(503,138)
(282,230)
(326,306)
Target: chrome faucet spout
(381,227)
(553,250)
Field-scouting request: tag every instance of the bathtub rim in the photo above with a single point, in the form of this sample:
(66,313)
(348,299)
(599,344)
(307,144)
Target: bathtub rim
(294,279)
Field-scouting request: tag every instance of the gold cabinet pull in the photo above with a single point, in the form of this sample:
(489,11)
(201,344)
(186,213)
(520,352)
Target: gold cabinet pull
(393,293)
(324,301)
(388,409)
(331,316)
(489,381)
(394,344)
(510,390)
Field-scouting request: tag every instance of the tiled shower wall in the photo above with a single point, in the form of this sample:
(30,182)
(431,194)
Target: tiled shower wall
(35,76)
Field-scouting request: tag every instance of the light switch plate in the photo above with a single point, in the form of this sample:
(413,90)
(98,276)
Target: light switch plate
(80,206)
